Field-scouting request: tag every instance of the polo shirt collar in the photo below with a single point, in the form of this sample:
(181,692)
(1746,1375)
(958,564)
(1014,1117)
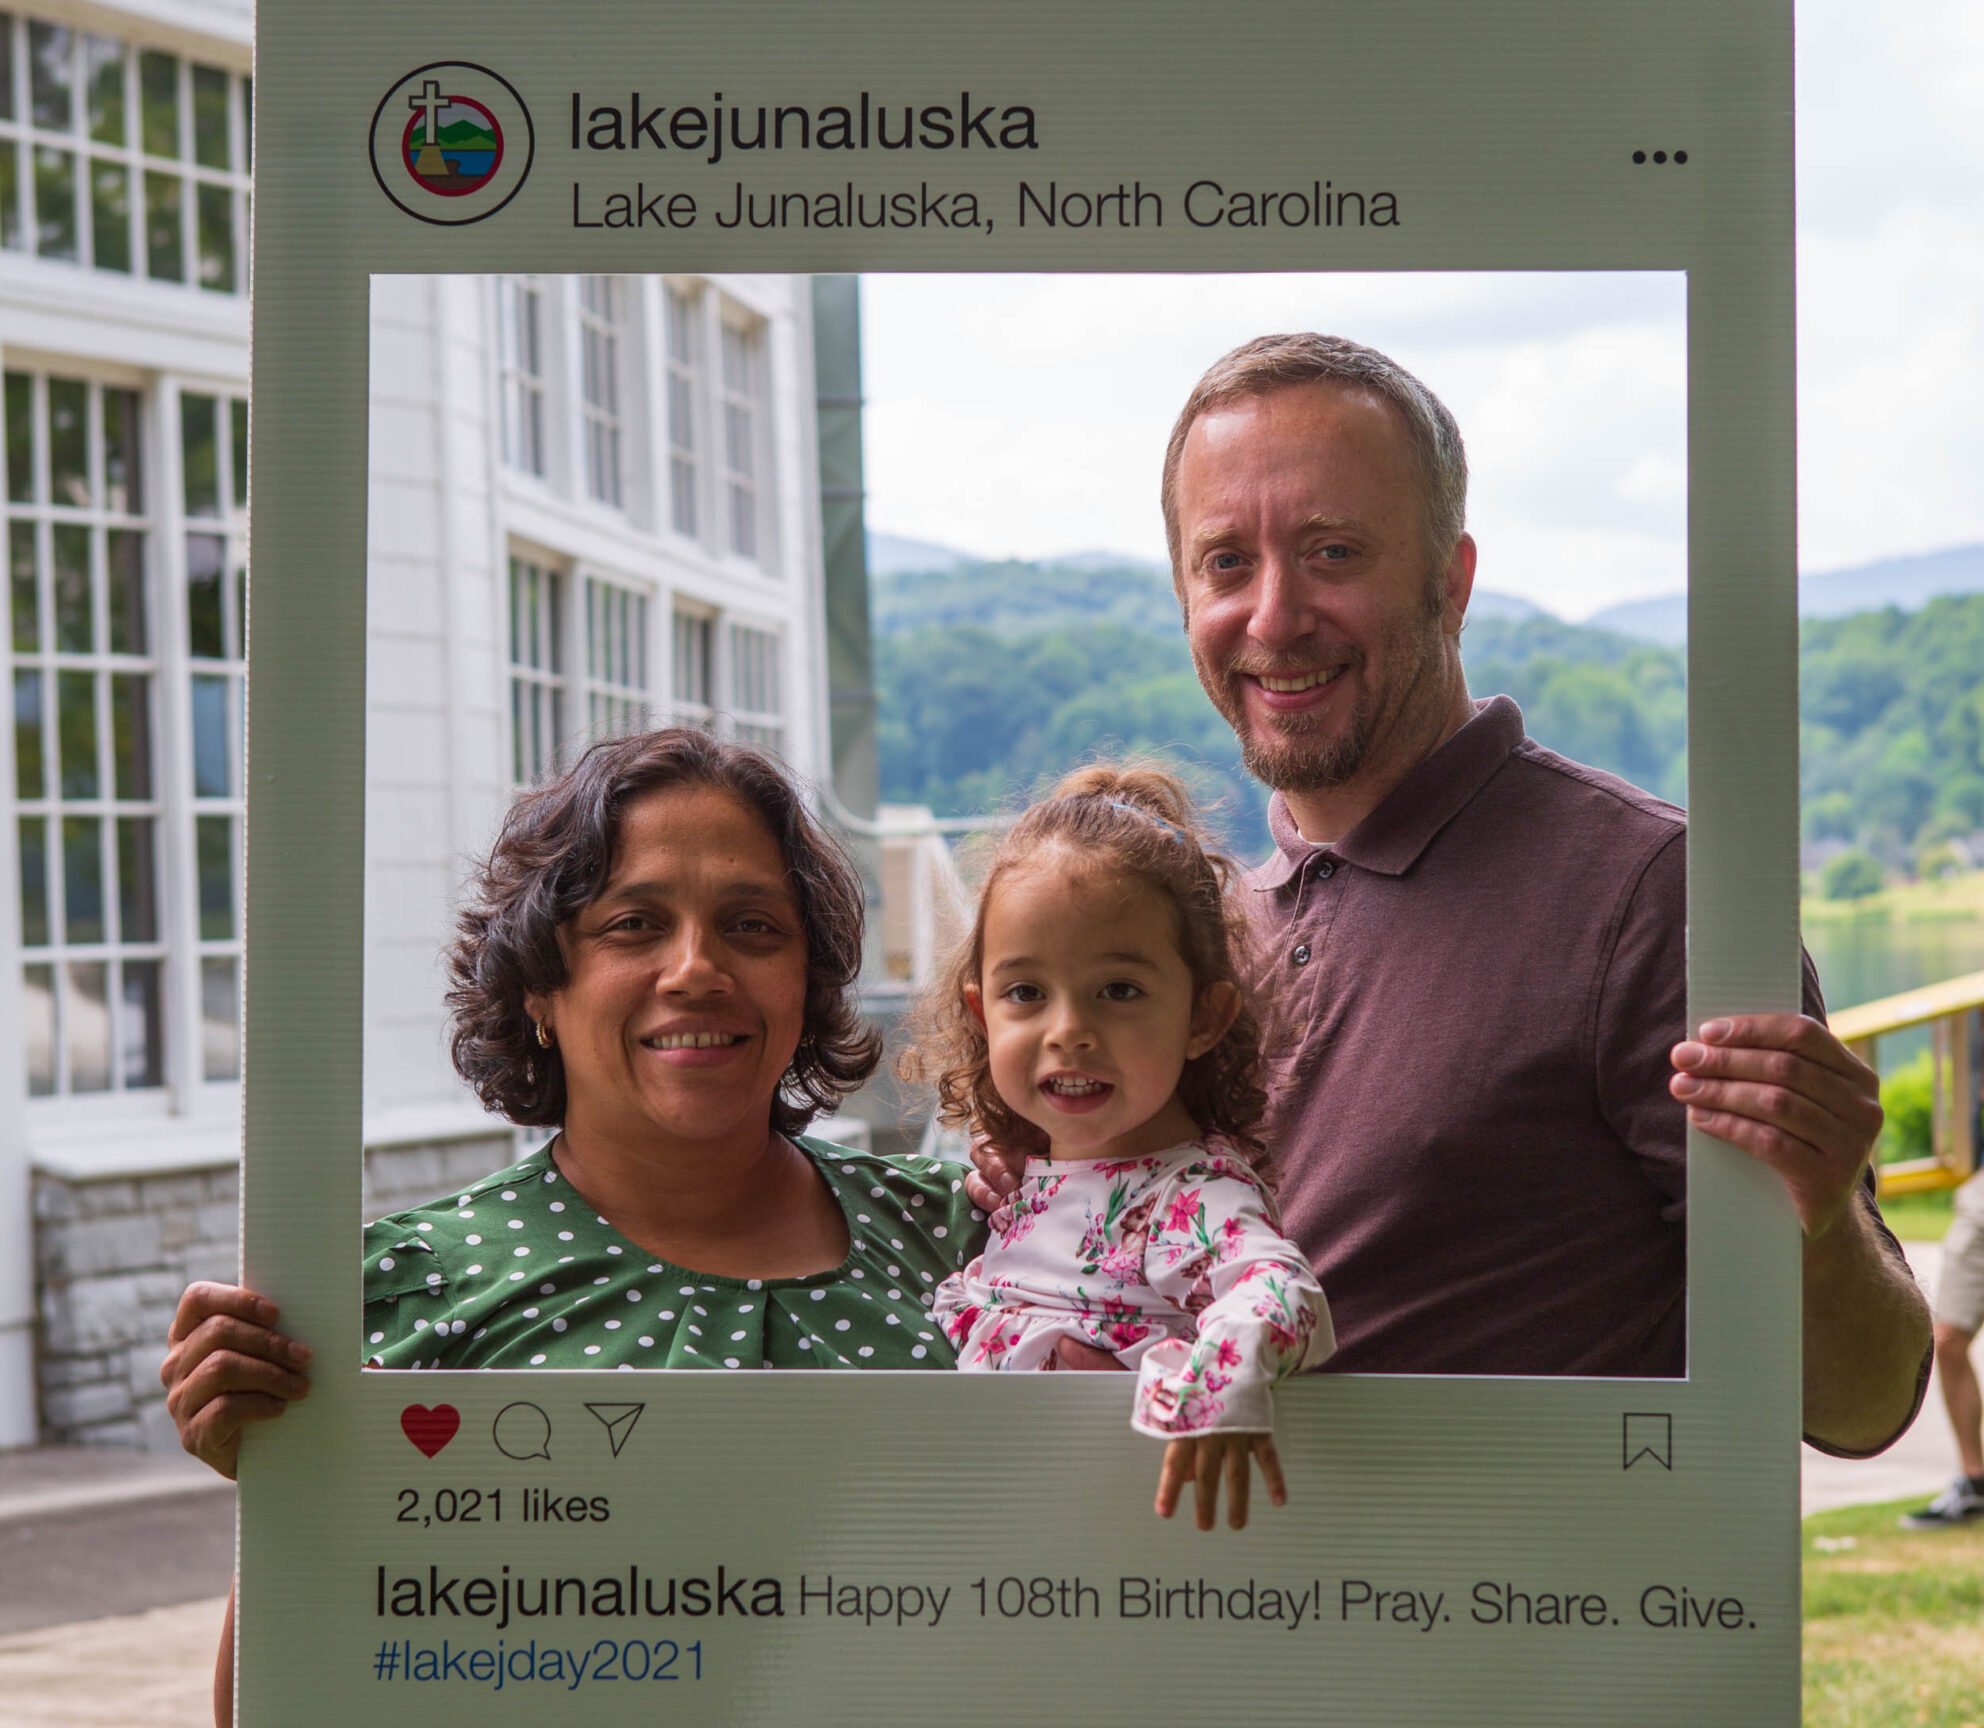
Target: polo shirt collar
(1390,839)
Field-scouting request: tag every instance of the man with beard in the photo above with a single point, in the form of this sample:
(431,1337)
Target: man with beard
(1479,945)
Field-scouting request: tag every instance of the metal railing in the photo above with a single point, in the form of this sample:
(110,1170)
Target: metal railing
(1954,1013)
(925,906)
(924,902)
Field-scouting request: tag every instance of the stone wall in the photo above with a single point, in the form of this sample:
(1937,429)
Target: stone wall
(113,1253)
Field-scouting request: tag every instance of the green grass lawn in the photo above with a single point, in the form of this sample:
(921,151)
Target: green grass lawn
(1919,1217)
(1954,898)
(1894,1621)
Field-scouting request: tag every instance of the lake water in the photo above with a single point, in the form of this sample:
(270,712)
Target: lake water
(1864,962)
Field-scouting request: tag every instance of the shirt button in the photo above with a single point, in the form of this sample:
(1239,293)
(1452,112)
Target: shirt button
(1326,869)
(1301,955)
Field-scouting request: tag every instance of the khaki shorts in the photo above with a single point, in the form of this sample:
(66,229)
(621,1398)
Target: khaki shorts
(1960,1283)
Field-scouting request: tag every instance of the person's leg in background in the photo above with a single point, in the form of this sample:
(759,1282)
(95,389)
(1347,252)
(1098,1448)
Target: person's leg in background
(1959,1314)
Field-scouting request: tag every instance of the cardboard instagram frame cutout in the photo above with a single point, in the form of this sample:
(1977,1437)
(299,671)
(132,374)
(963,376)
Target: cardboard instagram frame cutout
(1507,140)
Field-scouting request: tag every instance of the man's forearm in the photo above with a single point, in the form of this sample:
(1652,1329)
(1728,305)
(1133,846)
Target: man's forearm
(1867,1339)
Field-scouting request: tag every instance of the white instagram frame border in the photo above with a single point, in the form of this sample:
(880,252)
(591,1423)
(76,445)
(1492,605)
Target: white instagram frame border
(1507,138)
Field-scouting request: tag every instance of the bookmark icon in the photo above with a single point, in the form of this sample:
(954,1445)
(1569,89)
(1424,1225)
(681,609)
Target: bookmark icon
(1649,1434)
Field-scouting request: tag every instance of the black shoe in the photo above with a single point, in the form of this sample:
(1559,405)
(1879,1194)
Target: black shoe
(1957,1504)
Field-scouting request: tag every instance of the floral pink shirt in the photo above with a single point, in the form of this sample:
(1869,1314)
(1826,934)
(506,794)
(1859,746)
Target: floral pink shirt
(1175,1263)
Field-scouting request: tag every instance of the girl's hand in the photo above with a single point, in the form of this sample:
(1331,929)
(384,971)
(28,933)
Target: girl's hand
(227,1367)
(1200,1461)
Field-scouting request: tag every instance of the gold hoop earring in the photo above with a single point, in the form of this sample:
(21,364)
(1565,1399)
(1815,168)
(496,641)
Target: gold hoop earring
(543,1034)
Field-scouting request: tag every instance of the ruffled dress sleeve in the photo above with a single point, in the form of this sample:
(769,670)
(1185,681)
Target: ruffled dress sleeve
(1216,1252)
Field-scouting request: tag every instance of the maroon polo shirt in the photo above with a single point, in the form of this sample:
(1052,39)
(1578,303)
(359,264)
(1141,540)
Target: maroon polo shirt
(1476,1143)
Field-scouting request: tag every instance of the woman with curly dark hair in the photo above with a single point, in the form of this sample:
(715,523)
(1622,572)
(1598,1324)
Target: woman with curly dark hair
(657,959)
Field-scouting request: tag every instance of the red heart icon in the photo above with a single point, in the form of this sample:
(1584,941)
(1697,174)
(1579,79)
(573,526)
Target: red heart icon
(430,1430)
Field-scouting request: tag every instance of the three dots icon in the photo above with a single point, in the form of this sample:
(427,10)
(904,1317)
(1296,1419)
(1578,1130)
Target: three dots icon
(1660,156)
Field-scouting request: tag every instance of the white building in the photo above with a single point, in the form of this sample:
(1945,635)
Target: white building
(595,502)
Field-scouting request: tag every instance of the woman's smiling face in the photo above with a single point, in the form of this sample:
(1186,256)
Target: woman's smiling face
(685,989)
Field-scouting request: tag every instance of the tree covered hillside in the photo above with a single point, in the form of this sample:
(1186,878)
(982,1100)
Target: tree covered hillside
(1604,699)
(1892,713)
(995,677)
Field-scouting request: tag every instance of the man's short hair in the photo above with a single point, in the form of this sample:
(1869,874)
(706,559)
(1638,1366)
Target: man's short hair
(1271,363)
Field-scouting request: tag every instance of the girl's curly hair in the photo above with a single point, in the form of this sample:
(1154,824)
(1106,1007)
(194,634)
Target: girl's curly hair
(1138,820)
(552,859)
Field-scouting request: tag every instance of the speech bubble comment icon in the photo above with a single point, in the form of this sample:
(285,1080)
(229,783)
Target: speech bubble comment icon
(430,1430)
(522,1431)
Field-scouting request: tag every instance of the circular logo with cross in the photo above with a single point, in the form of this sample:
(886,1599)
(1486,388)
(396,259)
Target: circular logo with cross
(451,143)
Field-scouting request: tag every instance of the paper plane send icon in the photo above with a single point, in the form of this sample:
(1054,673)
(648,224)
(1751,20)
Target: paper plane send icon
(618,1420)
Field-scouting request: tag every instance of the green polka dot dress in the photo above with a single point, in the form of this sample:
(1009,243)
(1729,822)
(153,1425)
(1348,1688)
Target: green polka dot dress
(519,1272)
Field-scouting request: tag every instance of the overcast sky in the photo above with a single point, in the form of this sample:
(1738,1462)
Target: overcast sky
(1027,415)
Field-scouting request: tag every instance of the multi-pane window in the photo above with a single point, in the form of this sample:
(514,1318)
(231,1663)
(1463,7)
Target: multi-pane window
(520,335)
(680,355)
(599,371)
(616,659)
(757,706)
(740,369)
(611,685)
(213,442)
(693,691)
(537,685)
(122,158)
(84,666)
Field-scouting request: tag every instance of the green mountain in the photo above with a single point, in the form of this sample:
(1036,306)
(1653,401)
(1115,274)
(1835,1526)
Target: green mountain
(996,676)
(1910,583)
(1012,596)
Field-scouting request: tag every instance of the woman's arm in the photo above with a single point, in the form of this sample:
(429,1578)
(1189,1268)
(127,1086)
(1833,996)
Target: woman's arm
(224,1668)
(226,1366)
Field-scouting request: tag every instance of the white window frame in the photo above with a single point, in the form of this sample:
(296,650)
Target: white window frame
(579,658)
(742,413)
(692,658)
(619,695)
(756,684)
(536,632)
(175,804)
(197,188)
(521,306)
(48,663)
(219,956)
(681,407)
(600,306)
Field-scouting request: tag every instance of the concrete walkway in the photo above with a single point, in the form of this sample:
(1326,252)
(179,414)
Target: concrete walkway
(149,1670)
(114,1568)
(90,1532)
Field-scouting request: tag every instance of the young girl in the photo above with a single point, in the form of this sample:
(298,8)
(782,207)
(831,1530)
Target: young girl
(1096,1015)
